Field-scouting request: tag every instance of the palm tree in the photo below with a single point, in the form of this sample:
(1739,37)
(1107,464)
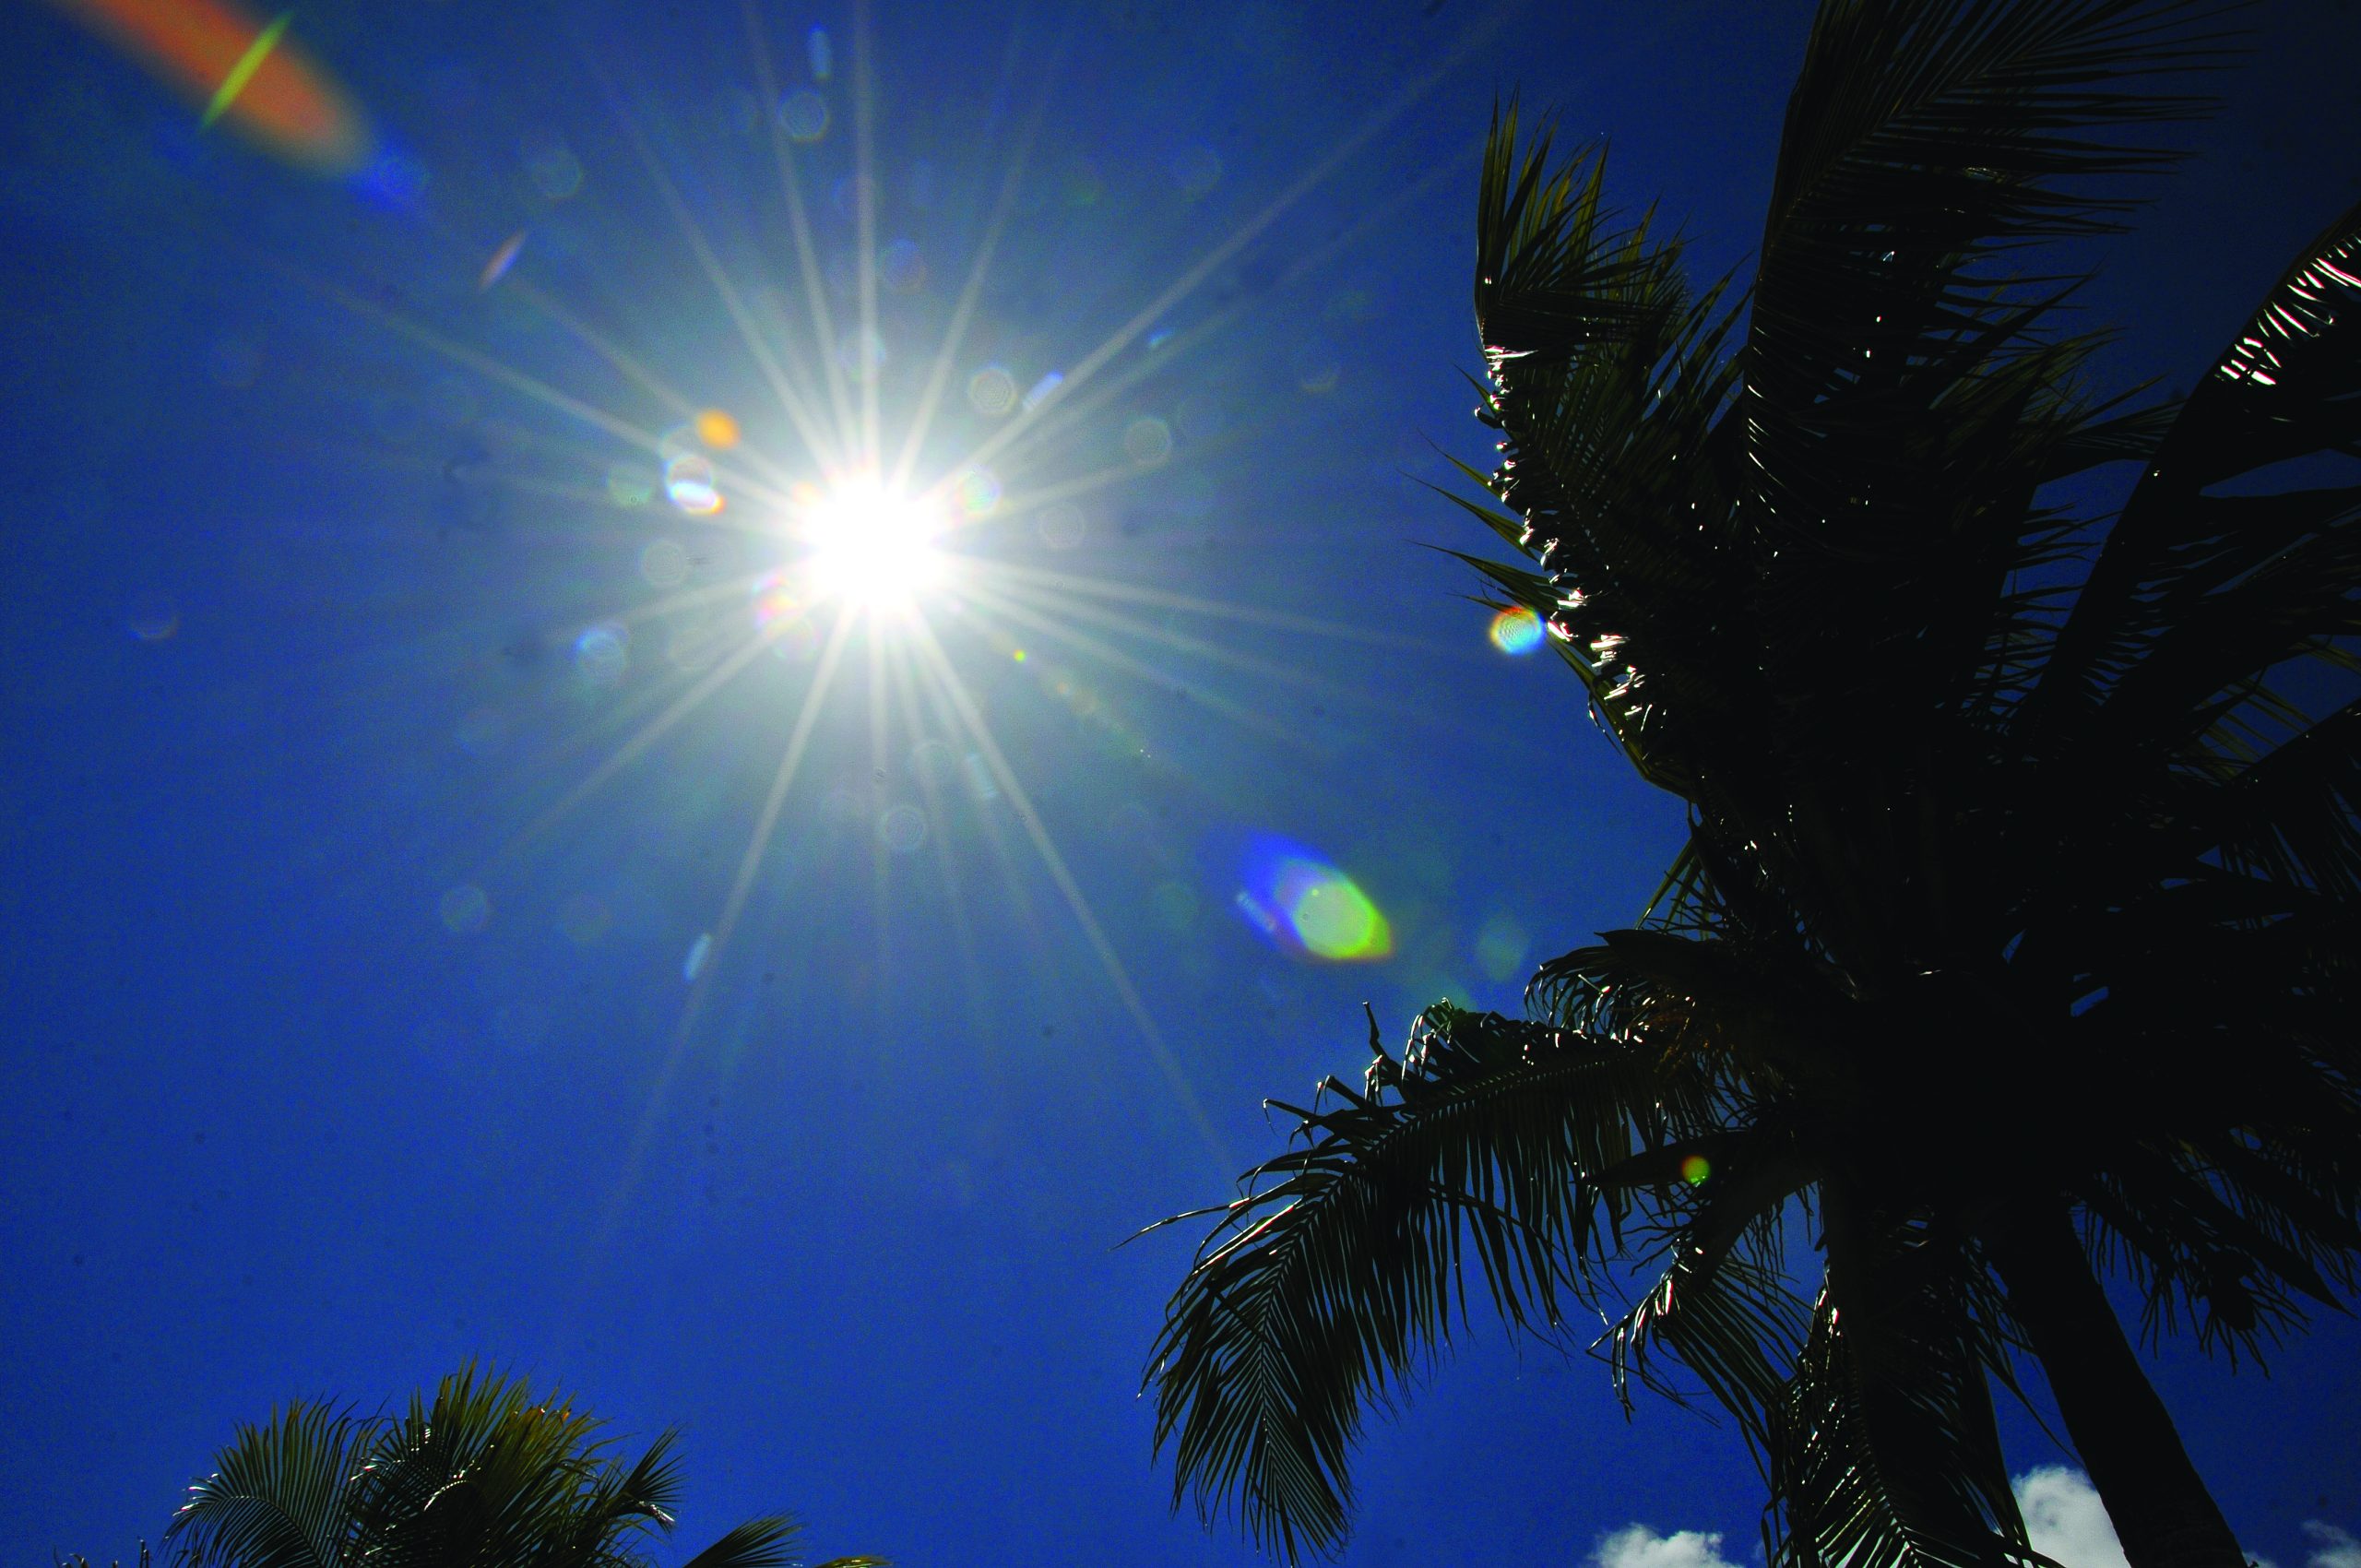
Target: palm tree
(482,1476)
(2014,941)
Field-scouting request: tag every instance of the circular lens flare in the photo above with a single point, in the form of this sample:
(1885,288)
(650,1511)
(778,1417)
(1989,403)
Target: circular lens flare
(872,546)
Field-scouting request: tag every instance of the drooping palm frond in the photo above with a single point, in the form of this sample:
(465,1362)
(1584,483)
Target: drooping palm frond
(768,1542)
(2285,391)
(2179,665)
(1884,1449)
(280,1495)
(1510,1159)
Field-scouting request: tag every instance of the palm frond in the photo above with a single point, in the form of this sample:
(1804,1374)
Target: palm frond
(280,1495)
(1607,381)
(767,1542)
(2205,584)
(1922,138)
(1884,1448)
(1322,1289)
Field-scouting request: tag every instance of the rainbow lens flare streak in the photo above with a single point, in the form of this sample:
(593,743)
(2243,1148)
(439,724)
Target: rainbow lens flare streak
(1306,907)
(239,70)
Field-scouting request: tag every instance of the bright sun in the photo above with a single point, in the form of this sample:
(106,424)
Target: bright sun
(872,546)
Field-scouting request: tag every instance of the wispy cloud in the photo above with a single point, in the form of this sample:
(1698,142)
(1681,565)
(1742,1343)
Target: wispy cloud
(2331,1548)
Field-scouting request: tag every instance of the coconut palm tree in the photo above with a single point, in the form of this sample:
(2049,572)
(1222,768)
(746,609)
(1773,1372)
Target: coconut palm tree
(2014,943)
(482,1476)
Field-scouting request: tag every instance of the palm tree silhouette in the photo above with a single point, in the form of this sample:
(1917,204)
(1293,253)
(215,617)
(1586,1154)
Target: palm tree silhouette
(2014,937)
(482,1476)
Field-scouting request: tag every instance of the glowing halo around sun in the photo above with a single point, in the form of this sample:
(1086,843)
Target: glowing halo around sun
(871,546)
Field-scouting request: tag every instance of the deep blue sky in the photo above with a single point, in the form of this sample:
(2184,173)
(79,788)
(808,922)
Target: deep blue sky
(295,671)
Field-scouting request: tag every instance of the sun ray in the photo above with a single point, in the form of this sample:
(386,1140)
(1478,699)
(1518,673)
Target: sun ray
(880,852)
(483,364)
(798,413)
(972,719)
(946,864)
(1075,408)
(741,885)
(634,369)
(501,374)
(815,294)
(1222,610)
(1261,724)
(732,481)
(956,332)
(674,603)
(1209,650)
(1195,275)
(864,199)
(1018,892)
(630,751)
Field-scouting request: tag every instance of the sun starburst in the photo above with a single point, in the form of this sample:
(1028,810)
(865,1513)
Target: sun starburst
(872,546)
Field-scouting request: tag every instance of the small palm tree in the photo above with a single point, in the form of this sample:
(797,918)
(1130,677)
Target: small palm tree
(482,1476)
(2015,936)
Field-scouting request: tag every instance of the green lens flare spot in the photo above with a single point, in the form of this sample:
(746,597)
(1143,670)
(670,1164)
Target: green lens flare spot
(244,71)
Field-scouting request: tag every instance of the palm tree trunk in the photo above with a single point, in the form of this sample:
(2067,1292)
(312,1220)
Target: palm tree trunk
(2162,1512)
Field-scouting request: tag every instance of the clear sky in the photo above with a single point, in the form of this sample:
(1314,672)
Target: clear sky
(414,942)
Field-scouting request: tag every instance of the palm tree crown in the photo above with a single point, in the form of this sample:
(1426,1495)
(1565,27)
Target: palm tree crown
(2014,934)
(482,1476)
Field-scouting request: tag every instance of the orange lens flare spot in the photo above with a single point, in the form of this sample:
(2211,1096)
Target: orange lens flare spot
(717,430)
(241,69)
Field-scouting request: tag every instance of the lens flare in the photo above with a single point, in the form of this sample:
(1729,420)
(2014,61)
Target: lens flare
(1517,631)
(250,75)
(716,429)
(502,260)
(979,492)
(993,390)
(803,115)
(688,481)
(465,909)
(1306,907)
(774,603)
(1147,441)
(1695,1169)
(244,71)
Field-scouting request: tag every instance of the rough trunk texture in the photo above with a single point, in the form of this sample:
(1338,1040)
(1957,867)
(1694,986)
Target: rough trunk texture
(2162,1512)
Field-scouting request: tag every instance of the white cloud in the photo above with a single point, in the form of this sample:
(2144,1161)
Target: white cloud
(2336,1548)
(2066,1520)
(1637,1546)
